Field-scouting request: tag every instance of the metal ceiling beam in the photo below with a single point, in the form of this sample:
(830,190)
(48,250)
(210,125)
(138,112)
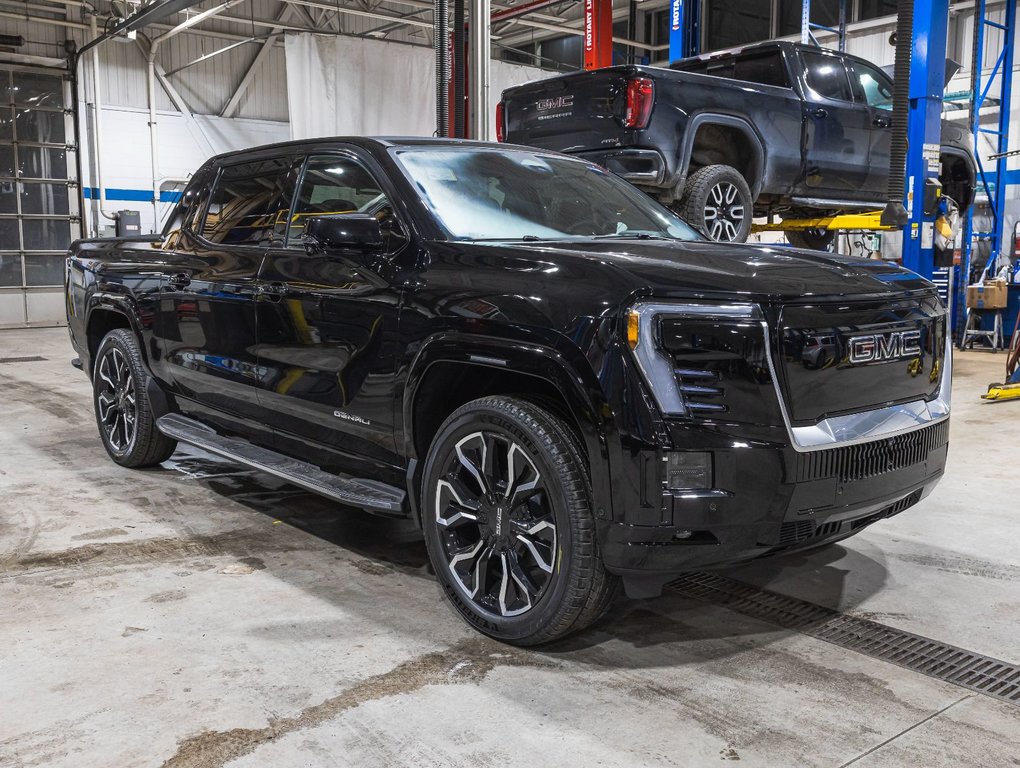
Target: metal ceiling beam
(198,18)
(213,54)
(235,98)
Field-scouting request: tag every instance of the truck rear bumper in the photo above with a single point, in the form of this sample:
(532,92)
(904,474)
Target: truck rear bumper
(641,167)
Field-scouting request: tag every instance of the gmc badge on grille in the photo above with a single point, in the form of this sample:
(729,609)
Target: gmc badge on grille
(884,347)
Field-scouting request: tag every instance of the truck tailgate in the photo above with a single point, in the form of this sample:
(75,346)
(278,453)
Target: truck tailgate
(572,113)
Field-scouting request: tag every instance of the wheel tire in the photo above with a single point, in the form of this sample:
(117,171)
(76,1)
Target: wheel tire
(812,239)
(123,413)
(717,201)
(466,528)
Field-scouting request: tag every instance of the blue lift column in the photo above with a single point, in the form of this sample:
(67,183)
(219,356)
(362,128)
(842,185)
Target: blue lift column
(924,130)
(684,29)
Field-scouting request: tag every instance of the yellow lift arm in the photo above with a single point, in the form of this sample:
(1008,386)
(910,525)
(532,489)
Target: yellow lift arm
(849,221)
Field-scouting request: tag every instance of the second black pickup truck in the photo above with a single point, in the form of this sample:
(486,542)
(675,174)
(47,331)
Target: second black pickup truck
(772,128)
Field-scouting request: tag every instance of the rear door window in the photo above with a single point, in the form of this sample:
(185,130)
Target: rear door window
(767,69)
(826,76)
(247,205)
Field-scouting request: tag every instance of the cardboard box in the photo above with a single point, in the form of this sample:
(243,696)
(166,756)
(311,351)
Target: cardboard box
(989,295)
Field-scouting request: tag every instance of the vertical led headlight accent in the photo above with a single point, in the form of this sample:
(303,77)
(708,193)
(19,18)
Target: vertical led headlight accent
(656,365)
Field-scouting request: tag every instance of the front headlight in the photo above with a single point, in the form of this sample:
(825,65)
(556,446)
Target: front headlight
(704,360)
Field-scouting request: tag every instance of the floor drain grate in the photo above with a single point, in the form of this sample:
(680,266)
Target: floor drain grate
(983,674)
(33,359)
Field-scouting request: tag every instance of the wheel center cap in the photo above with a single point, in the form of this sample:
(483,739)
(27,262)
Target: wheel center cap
(500,512)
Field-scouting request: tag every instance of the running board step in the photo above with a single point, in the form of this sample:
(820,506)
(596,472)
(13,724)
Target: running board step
(367,494)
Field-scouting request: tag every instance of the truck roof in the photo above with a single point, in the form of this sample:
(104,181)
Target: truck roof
(787,45)
(365,142)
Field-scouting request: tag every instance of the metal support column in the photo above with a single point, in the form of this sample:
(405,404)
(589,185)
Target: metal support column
(480,46)
(807,26)
(684,29)
(598,34)
(924,131)
(994,188)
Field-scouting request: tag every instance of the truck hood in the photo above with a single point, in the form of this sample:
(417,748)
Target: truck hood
(718,270)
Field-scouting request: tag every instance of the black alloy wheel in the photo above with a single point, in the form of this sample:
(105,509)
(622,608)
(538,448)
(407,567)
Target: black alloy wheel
(506,511)
(123,412)
(116,403)
(499,532)
(717,201)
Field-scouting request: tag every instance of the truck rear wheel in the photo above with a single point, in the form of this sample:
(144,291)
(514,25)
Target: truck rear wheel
(717,201)
(123,414)
(507,517)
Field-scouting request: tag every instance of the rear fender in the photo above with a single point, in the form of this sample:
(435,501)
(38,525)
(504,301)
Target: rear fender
(690,132)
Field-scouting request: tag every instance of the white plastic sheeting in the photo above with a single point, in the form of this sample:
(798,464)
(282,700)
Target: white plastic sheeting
(345,86)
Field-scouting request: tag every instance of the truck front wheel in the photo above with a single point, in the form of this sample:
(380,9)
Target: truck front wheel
(717,201)
(507,517)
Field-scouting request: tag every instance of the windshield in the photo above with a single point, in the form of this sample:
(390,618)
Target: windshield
(498,194)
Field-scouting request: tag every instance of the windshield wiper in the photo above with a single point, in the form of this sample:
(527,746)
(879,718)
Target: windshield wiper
(633,235)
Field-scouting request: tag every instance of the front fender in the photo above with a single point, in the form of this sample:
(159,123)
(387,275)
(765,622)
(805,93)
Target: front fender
(563,367)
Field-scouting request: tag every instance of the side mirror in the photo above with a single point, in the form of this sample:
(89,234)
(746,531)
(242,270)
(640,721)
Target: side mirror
(348,234)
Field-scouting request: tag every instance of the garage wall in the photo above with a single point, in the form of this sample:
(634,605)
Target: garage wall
(183,146)
(355,86)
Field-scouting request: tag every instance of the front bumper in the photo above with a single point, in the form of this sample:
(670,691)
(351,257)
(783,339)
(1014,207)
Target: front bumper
(771,498)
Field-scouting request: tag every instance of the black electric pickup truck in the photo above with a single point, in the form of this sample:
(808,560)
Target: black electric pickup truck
(773,128)
(561,394)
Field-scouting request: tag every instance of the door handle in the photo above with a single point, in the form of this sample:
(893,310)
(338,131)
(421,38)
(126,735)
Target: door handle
(819,112)
(881,122)
(179,281)
(273,291)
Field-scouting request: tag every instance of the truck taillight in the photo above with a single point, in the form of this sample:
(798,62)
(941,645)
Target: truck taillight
(640,95)
(500,121)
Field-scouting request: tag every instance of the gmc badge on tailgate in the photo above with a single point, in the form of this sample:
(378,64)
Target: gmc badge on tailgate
(884,347)
(560,102)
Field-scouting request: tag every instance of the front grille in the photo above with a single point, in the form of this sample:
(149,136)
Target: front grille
(795,532)
(798,531)
(856,462)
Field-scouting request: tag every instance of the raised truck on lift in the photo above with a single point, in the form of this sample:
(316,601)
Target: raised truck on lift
(773,129)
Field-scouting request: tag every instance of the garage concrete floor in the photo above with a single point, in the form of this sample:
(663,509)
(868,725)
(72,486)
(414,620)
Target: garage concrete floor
(203,615)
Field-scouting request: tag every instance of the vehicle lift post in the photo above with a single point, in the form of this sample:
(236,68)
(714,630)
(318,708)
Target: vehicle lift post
(684,29)
(598,34)
(924,133)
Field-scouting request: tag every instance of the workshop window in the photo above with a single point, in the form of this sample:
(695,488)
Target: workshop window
(823,12)
(728,23)
(872,9)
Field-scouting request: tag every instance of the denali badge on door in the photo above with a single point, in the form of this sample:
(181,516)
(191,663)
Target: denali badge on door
(884,347)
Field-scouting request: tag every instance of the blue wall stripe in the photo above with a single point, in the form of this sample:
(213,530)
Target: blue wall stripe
(133,195)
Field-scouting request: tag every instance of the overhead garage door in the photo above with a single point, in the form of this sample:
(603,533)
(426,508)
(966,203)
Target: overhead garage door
(38,200)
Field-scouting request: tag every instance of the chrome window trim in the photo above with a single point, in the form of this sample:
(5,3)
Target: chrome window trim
(833,432)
